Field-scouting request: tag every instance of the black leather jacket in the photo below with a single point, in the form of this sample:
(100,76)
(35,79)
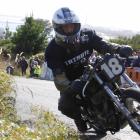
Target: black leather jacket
(66,61)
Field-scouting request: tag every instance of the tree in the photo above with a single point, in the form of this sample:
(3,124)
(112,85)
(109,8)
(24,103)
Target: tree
(8,33)
(134,41)
(32,37)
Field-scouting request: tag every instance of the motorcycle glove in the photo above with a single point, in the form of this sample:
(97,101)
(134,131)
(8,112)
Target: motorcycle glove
(125,51)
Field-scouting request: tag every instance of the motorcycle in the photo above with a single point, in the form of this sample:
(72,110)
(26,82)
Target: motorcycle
(109,104)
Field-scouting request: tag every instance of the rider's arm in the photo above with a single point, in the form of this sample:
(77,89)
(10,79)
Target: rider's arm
(55,63)
(103,47)
(61,81)
(100,45)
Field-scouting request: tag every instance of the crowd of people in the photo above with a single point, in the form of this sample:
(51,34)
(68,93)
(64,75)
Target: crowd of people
(33,64)
(133,61)
(20,65)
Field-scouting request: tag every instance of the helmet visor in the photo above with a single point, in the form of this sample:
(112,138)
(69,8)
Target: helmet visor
(68,29)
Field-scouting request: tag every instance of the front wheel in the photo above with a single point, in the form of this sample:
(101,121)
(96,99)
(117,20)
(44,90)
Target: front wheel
(132,102)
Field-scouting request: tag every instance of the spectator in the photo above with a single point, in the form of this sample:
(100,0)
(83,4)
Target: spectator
(10,69)
(32,66)
(37,69)
(136,62)
(128,62)
(17,60)
(38,60)
(23,65)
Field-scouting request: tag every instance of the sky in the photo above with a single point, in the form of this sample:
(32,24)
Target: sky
(115,14)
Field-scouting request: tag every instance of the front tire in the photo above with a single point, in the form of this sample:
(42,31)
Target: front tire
(132,102)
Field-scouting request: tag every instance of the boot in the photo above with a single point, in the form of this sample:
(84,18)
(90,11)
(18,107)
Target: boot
(81,125)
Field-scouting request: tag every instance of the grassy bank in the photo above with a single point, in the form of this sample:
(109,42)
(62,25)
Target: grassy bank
(45,127)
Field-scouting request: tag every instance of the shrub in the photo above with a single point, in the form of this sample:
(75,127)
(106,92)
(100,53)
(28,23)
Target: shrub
(6,83)
(7,102)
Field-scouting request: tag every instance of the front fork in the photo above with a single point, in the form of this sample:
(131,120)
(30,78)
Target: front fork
(117,102)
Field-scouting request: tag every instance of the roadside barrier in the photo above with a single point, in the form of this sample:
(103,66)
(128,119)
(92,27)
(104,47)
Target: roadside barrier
(134,74)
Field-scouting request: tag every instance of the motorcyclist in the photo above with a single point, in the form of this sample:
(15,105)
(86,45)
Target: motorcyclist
(66,55)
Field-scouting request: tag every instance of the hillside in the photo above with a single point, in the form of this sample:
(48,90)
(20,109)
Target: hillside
(108,33)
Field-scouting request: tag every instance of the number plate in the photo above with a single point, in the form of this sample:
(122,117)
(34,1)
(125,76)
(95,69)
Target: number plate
(112,67)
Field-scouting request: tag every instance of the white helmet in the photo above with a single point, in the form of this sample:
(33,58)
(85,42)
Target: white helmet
(64,19)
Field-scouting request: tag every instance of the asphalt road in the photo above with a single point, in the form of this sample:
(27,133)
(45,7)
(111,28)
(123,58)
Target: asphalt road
(35,92)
